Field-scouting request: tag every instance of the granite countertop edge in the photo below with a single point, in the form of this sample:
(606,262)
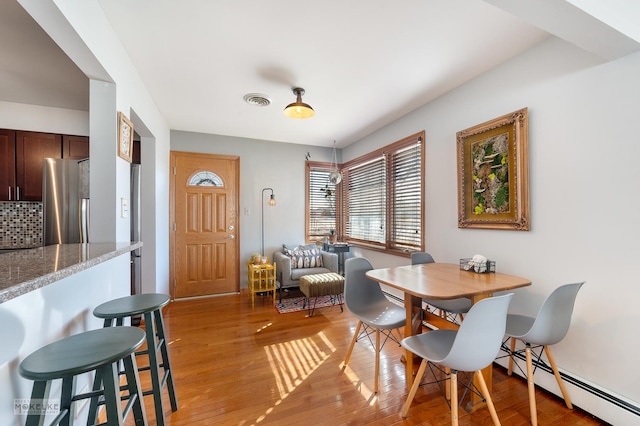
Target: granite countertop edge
(35,283)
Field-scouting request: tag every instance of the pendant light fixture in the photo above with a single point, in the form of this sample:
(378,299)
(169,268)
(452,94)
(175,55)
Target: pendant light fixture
(335,177)
(299,109)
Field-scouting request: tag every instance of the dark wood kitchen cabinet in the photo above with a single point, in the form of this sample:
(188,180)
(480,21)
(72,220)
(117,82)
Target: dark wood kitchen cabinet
(8,164)
(75,147)
(31,149)
(21,156)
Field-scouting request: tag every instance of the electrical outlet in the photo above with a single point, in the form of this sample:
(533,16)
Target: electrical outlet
(124,207)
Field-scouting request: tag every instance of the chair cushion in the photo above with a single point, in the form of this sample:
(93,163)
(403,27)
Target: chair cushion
(302,257)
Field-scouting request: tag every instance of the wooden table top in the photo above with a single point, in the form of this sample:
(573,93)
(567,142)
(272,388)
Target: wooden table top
(445,281)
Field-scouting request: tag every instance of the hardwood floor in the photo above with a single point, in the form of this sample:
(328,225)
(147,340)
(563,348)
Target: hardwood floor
(235,365)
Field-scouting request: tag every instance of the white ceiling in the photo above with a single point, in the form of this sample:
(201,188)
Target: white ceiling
(363,63)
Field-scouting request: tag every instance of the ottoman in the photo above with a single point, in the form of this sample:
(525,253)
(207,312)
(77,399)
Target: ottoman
(318,285)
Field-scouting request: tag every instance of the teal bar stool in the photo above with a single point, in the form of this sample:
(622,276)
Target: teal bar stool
(150,306)
(96,350)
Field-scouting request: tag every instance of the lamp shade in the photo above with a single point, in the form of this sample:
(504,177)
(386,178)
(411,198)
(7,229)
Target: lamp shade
(299,109)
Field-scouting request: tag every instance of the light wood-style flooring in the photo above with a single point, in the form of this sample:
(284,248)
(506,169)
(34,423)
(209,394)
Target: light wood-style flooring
(234,365)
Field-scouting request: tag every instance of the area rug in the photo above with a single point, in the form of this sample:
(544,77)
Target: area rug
(294,304)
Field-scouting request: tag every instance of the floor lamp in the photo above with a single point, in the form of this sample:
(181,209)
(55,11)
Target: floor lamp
(272,202)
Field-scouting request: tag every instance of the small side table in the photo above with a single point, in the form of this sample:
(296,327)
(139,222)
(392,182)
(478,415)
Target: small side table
(340,249)
(261,278)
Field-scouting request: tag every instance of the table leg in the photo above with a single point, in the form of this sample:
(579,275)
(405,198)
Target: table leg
(413,326)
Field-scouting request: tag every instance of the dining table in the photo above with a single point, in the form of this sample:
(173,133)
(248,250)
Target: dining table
(441,281)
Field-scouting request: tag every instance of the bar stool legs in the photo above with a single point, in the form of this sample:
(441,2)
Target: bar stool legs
(154,325)
(150,306)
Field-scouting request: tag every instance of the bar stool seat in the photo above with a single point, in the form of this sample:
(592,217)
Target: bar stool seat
(100,350)
(150,306)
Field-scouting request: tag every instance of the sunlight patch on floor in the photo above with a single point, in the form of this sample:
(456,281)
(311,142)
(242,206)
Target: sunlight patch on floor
(293,361)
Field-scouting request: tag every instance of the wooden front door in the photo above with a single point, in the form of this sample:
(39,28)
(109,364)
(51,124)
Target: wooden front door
(204,209)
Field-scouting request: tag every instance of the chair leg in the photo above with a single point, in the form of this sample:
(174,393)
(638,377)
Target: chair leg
(375,379)
(447,384)
(414,388)
(532,386)
(556,373)
(353,342)
(487,397)
(453,378)
(512,349)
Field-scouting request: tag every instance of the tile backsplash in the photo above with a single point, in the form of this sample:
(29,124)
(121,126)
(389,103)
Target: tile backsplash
(20,224)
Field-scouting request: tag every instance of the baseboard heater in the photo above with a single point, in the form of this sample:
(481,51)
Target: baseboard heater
(634,409)
(588,388)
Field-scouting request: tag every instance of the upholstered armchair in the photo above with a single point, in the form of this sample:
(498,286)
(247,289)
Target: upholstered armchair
(295,261)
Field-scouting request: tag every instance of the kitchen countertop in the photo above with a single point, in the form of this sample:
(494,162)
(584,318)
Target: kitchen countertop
(26,270)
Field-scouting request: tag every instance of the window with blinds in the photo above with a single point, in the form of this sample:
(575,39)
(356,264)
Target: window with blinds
(379,203)
(405,190)
(366,198)
(321,202)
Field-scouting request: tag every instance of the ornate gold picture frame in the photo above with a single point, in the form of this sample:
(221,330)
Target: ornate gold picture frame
(493,174)
(125,137)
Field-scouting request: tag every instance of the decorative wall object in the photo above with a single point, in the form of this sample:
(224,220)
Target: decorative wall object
(125,137)
(493,174)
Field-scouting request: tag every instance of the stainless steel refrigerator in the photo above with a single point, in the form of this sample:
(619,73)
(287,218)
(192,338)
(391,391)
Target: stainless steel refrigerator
(65,201)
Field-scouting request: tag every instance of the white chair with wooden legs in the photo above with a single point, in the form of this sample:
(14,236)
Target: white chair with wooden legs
(376,314)
(447,307)
(472,347)
(548,327)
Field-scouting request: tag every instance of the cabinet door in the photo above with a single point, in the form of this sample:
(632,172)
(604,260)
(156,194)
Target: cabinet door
(7,164)
(75,147)
(31,149)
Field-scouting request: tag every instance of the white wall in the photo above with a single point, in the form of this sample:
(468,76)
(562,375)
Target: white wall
(583,156)
(43,119)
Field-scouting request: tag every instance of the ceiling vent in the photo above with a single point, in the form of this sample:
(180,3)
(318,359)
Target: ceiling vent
(257,99)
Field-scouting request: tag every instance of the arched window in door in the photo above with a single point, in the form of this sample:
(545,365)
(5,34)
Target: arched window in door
(205,178)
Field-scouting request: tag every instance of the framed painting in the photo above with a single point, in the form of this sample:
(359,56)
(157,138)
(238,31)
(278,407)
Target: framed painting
(125,137)
(493,174)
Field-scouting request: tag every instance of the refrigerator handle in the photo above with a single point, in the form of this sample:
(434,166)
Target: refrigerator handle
(83,219)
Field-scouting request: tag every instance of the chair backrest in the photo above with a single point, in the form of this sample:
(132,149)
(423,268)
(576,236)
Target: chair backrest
(418,257)
(360,292)
(554,317)
(478,340)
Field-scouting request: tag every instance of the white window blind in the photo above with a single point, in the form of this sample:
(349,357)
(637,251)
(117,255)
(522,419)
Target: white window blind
(365,206)
(406,197)
(321,206)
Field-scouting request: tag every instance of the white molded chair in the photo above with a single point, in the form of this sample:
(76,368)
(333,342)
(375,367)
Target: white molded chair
(473,347)
(548,327)
(376,314)
(453,307)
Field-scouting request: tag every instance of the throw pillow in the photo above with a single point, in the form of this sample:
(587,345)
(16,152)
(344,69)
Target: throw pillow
(308,256)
